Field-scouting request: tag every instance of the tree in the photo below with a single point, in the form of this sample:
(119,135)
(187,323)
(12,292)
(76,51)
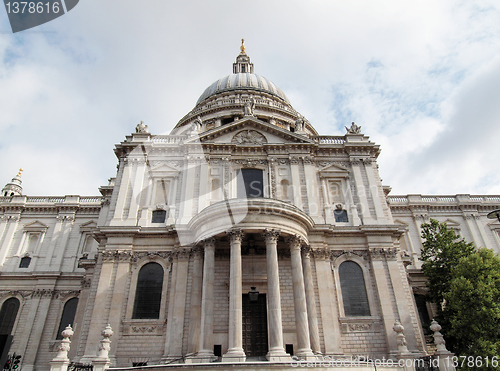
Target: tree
(465,285)
(442,250)
(473,305)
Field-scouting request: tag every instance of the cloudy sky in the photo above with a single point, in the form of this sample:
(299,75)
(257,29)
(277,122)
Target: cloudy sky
(422,78)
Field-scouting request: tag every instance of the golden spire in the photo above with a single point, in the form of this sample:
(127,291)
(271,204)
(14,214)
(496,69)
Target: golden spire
(20,172)
(242,47)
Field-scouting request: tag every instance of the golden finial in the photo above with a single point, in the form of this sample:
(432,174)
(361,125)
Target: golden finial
(242,48)
(20,172)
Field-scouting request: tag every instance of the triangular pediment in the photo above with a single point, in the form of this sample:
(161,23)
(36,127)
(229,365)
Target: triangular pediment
(36,226)
(88,226)
(452,224)
(250,131)
(400,222)
(163,168)
(334,170)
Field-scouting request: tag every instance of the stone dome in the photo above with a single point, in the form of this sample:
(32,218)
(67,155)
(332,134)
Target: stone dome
(243,81)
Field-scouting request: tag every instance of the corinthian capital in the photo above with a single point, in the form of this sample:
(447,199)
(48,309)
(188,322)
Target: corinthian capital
(271,235)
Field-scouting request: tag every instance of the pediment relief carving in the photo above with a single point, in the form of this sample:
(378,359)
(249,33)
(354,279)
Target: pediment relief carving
(249,137)
(272,133)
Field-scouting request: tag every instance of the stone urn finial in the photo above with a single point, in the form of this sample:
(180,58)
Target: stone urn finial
(63,348)
(400,337)
(105,345)
(438,337)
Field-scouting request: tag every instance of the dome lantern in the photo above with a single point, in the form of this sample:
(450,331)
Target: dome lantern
(13,188)
(242,64)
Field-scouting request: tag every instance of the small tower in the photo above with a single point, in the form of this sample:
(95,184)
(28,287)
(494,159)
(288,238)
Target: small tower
(13,188)
(242,64)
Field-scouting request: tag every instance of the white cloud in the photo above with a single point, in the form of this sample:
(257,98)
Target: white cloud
(418,77)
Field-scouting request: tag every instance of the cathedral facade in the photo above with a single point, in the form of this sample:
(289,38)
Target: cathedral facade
(243,235)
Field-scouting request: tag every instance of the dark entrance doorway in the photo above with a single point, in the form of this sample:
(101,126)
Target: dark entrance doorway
(255,326)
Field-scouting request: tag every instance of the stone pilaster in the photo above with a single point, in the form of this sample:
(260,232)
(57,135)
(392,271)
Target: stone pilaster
(310,301)
(175,322)
(235,351)
(195,306)
(207,303)
(299,297)
(276,351)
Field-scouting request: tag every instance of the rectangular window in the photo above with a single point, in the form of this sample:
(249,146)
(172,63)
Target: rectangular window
(250,183)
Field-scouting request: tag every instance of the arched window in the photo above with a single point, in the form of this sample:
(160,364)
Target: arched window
(148,292)
(352,284)
(68,316)
(8,315)
(159,216)
(250,183)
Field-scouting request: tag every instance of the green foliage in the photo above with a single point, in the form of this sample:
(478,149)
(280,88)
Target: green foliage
(465,285)
(473,305)
(442,250)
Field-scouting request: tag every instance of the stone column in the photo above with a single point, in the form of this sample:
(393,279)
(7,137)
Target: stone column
(195,305)
(276,351)
(235,351)
(311,301)
(299,298)
(207,303)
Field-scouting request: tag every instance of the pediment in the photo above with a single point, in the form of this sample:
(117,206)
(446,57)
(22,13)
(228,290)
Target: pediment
(164,169)
(334,170)
(36,226)
(88,226)
(400,222)
(452,224)
(251,131)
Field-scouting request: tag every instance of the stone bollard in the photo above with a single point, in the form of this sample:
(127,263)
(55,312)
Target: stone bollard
(445,357)
(403,352)
(61,361)
(102,361)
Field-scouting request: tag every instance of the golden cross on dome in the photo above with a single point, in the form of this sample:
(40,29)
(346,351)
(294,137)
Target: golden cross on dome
(20,172)
(242,48)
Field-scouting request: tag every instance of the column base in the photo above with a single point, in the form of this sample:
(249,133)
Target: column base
(203,356)
(234,355)
(278,355)
(306,355)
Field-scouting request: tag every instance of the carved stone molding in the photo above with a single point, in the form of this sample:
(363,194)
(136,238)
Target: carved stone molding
(25,294)
(320,254)
(116,256)
(143,327)
(364,324)
(249,137)
(271,235)
(380,253)
(197,252)
(11,218)
(209,243)
(66,218)
(85,283)
(250,163)
(181,254)
(334,254)
(235,235)
(151,255)
(294,242)
(306,252)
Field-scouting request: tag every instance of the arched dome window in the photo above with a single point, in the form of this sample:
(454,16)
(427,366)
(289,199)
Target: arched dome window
(67,317)
(8,315)
(352,284)
(148,292)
